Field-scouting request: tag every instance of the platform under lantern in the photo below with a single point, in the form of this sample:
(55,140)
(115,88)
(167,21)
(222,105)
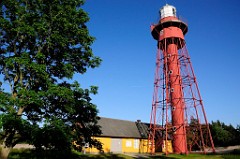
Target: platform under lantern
(178,114)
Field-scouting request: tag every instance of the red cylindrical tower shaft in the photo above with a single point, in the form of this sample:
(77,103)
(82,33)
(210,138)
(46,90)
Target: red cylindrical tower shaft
(176,96)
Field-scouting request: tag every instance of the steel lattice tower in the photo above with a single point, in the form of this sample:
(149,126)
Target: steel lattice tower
(177,108)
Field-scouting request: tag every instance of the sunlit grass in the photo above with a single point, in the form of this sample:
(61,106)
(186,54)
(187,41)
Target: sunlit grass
(198,156)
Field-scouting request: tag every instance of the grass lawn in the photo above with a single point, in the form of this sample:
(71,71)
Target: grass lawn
(31,154)
(198,156)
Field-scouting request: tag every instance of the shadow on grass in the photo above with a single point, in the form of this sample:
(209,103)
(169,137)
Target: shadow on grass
(47,154)
(163,157)
(33,154)
(235,154)
(102,156)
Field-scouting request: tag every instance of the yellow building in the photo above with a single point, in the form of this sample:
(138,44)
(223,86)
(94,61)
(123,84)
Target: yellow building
(121,136)
(168,146)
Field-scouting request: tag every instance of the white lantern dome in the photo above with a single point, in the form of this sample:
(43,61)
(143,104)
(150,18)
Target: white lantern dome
(168,11)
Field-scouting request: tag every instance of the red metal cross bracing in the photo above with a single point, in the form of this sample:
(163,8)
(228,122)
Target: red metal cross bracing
(177,112)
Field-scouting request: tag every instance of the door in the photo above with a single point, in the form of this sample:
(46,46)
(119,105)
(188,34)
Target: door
(116,145)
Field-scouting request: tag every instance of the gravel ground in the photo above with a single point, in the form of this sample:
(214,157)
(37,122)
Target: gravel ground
(227,149)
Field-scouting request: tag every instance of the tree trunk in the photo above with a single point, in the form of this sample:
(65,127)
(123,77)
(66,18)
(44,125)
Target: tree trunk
(5,152)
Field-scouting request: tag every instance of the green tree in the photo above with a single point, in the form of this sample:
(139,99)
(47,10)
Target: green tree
(223,135)
(234,134)
(43,43)
(238,135)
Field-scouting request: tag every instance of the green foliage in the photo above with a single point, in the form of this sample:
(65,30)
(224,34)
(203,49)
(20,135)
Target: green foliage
(15,127)
(224,135)
(42,45)
(52,136)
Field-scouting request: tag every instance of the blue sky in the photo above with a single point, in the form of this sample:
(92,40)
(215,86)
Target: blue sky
(124,42)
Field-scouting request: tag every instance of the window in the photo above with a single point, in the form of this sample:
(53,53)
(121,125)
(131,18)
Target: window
(128,143)
(136,144)
(174,12)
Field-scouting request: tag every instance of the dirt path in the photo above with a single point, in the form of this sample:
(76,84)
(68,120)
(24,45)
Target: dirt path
(227,149)
(23,146)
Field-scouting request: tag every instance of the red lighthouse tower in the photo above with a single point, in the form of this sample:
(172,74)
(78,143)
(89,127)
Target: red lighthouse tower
(178,115)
